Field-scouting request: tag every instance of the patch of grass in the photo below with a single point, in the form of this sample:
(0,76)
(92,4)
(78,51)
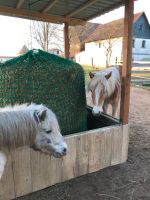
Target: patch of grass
(141,74)
(146,85)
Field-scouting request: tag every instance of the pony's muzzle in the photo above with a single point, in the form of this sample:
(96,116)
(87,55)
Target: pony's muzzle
(96,111)
(64,152)
(61,150)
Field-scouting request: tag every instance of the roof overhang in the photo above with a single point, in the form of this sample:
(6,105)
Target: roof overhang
(58,11)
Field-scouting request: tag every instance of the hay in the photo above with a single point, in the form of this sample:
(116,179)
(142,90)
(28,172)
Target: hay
(40,77)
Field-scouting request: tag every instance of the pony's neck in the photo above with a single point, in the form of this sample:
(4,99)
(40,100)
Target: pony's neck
(110,86)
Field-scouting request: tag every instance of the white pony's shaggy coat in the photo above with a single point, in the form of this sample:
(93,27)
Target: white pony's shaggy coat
(17,126)
(31,125)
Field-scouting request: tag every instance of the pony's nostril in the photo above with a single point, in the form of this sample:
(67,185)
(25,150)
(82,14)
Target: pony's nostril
(48,141)
(65,150)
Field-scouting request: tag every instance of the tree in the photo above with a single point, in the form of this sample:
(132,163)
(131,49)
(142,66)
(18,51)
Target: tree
(23,50)
(46,35)
(109,41)
(77,35)
(108,44)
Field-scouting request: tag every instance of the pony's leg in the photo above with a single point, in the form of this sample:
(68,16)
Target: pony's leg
(105,108)
(115,108)
(3,160)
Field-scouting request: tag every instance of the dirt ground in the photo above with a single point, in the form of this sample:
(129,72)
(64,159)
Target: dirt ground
(128,181)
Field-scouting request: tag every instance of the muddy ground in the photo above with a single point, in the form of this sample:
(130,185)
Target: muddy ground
(128,181)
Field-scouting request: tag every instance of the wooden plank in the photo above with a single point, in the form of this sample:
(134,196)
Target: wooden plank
(34,15)
(69,161)
(125,142)
(96,150)
(82,154)
(66,40)
(49,6)
(100,151)
(81,8)
(22,171)
(117,135)
(107,147)
(7,190)
(127,59)
(46,170)
(88,152)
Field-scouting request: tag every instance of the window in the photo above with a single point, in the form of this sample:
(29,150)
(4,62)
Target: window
(57,52)
(140,27)
(143,43)
(99,45)
(133,43)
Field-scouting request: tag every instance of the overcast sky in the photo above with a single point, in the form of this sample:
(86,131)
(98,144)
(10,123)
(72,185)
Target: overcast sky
(14,31)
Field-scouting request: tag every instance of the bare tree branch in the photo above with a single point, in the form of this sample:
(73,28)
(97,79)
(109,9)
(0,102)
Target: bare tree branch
(108,45)
(46,35)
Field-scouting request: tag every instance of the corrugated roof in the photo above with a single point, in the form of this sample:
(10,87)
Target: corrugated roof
(60,11)
(112,29)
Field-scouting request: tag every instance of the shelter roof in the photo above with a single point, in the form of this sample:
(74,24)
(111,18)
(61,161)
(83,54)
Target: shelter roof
(58,11)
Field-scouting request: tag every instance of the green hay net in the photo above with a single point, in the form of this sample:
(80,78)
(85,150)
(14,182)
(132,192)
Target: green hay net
(40,77)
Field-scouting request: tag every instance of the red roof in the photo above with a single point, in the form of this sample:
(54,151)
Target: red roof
(137,16)
(7,57)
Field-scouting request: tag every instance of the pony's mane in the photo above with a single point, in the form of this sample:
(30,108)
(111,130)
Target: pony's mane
(17,126)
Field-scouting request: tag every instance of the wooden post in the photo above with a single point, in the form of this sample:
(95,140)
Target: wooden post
(127,60)
(66,40)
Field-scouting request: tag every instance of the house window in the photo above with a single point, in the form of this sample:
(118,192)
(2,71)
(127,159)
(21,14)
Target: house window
(133,43)
(57,52)
(140,27)
(99,45)
(143,43)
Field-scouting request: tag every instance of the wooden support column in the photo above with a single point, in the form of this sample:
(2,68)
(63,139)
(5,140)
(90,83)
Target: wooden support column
(127,61)
(66,40)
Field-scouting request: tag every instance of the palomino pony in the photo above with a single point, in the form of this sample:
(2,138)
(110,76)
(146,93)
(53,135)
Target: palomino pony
(33,125)
(105,87)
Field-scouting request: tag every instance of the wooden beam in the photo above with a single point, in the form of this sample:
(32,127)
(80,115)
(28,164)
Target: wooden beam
(127,60)
(49,6)
(80,8)
(20,3)
(28,14)
(66,40)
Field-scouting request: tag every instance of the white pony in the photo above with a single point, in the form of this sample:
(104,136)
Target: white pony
(105,87)
(32,125)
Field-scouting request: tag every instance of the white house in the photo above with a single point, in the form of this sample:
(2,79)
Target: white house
(56,51)
(104,45)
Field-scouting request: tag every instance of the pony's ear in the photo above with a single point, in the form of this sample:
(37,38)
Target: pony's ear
(107,76)
(41,115)
(91,75)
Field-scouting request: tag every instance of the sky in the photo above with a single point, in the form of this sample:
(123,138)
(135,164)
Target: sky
(14,31)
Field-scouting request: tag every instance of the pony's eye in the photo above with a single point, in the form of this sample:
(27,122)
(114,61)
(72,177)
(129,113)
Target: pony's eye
(49,131)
